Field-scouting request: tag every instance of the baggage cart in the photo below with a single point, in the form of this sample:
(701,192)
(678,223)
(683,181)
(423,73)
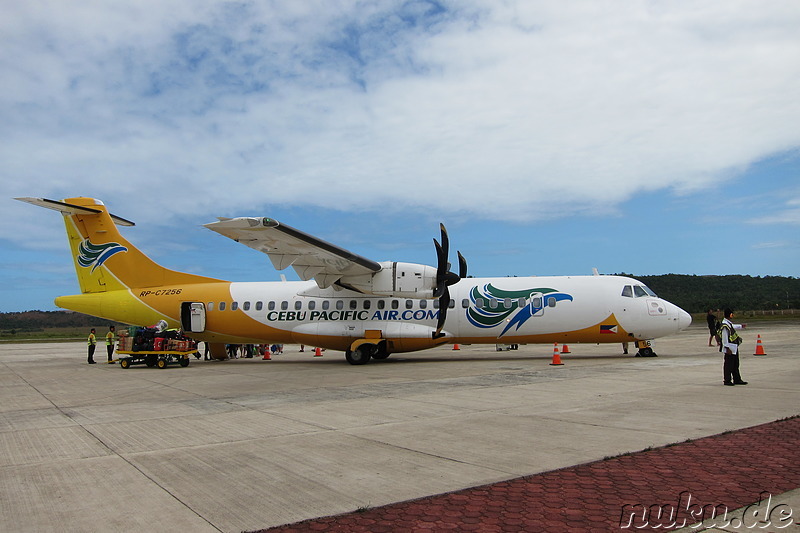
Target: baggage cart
(152,358)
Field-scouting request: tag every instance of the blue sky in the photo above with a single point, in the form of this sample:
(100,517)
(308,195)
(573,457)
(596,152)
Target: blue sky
(550,137)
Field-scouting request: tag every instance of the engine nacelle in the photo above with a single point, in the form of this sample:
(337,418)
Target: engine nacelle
(401,280)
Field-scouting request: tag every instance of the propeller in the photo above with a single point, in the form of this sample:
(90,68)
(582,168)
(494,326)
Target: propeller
(445,278)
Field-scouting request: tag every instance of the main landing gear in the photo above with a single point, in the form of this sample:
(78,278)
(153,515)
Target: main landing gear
(364,352)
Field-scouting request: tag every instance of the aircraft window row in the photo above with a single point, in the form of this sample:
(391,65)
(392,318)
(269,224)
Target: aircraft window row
(637,291)
(630,291)
(325,305)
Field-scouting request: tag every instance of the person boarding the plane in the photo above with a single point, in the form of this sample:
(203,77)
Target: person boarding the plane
(730,346)
(92,341)
(110,344)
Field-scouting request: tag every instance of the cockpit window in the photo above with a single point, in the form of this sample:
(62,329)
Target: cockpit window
(648,291)
(637,291)
(627,291)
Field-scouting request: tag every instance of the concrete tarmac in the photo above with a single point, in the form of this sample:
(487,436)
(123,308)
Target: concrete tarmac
(248,444)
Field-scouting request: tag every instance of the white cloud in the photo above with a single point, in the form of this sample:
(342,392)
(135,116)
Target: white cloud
(511,110)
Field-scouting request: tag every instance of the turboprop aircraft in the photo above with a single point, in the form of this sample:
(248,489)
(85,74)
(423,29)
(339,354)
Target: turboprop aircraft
(345,301)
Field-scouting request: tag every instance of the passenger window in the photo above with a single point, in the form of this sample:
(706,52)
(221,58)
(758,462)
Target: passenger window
(537,303)
(353,304)
(210,306)
(479,303)
(222,306)
(312,304)
(451,305)
(492,303)
(381,304)
(465,303)
(395,304)
(234,306)
(367,304)
(284,305)
(409,304)
(326,304)
(271,306)
(507,303)
(339,304)
(551,302)
(246,306)
(436,304)
(627,291)
(423,304)
(298,305)
(638,291)
(259,306)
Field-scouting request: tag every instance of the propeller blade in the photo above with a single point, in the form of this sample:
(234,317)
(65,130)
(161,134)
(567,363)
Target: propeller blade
(444,305)
(462,266)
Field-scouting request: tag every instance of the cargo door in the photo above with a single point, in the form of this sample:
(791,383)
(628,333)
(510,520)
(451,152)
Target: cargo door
(193,317)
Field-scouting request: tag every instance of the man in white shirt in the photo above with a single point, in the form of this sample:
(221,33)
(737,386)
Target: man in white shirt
(730,347)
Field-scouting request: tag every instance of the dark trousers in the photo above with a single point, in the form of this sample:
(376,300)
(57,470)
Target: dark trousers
(730,368)
(91,352)
(110,348)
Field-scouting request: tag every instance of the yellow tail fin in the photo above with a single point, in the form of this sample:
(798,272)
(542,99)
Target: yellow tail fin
(104,260)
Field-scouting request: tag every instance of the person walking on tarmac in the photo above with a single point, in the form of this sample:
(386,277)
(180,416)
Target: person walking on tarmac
(713,327)
(110,344)
(92,341)
(730,346)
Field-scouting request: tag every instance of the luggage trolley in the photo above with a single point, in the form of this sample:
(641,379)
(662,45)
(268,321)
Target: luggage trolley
(153,346)
(152,358)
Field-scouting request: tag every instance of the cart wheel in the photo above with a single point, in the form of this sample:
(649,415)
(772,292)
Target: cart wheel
(150,360)
(125,363)
(162,363)
(184,362)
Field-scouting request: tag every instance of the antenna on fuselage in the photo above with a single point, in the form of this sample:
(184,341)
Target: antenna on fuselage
(595,272)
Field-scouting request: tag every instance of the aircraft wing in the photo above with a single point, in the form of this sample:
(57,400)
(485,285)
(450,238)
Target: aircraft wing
(311,258)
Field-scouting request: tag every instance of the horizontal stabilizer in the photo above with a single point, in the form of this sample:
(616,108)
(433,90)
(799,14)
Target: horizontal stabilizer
(72,209)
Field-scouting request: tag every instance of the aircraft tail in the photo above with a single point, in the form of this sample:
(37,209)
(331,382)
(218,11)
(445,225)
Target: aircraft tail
(104,260)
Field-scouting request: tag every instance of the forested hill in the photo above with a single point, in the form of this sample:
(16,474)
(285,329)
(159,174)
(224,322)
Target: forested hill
(696,294)
(38,320)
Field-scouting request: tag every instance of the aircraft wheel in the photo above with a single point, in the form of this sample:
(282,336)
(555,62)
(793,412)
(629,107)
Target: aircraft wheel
(162,363)
(380,352)
(359,356)
(124,363)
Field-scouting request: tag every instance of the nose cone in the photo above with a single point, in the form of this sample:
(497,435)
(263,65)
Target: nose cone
(684,319)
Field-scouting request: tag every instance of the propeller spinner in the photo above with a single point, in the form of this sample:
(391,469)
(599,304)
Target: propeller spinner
(445,278)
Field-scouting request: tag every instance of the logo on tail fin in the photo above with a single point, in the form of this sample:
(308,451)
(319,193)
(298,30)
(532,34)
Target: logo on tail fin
(94,255)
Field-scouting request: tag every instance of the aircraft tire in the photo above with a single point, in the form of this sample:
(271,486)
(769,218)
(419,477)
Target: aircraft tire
(359,356)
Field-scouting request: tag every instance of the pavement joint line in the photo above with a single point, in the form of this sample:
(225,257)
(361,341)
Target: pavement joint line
(111,451)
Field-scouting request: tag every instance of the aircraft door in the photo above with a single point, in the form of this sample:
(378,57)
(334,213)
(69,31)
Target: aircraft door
(193,317)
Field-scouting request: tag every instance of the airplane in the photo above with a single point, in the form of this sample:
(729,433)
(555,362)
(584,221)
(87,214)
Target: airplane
(346,302)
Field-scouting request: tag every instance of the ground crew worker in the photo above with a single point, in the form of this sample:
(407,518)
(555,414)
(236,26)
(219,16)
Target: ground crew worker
(730,346)
(92,341)
(110,344)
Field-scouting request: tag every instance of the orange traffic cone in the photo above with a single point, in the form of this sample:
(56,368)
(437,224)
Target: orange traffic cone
(759,347)
(317,352)
(266,357)
(456,347)
(556,355)
(565,349)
